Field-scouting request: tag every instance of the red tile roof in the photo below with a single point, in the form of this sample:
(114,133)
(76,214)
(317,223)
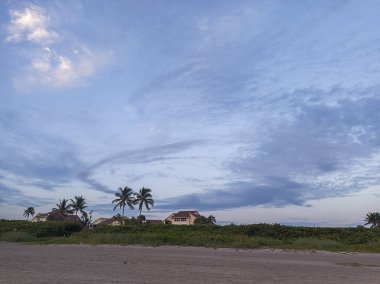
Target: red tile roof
(185,214)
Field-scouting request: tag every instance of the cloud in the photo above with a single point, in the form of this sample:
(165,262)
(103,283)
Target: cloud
(277,192)
(55,60)
(51,69)
(140,156)
(11,196)
(38,157)
(30,24)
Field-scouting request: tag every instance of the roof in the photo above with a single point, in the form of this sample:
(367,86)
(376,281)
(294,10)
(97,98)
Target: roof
(108,221)
(185,214)
(66,217)
(100,220)
(41,215)
(71,218)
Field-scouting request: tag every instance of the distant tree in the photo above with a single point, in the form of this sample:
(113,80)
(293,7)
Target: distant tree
(373,219)
(210,220)
(86,218)
(140,219)
(29,212)
(63,207)
(124,197)
(143,198)
(168,222)
(133,221)
(201,220)
(78,204)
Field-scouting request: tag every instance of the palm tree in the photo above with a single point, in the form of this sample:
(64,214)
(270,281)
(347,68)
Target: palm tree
(28,212)
(124,197)
(144,197)
(372,218)
(79,204)
(63,207)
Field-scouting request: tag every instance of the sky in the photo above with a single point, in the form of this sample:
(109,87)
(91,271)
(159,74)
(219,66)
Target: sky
(252,111)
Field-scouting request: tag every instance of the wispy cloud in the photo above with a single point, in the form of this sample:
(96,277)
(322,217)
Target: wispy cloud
(145,155)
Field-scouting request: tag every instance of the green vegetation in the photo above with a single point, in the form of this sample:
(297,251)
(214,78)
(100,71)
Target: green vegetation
(356,264)
(124,197)
(16,229)
(28,212)
(143,198)
(373,219)
(78,204)
(247,236)
(210,220)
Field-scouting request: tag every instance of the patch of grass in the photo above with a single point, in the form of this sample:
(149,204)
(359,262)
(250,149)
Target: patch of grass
(315,244)
(17,237)
(356,264)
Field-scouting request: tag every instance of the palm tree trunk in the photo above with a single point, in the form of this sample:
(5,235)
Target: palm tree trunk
(123,215)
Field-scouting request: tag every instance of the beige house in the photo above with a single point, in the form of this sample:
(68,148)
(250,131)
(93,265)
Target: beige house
(183,218)
(40,217)
(43,217)
(113,221)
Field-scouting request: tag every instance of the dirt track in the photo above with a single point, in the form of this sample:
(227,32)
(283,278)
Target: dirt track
(21,263)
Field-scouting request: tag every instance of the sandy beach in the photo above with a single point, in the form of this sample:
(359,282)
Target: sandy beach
(21,263)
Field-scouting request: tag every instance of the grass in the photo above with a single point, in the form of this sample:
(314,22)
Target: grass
(356,264)
(17,237)
(238,242)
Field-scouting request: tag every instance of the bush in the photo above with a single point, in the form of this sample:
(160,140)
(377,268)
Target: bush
(40,229)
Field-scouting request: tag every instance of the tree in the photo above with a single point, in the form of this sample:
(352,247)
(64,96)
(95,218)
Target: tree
(79,204)
(372,218)
(86,218)
(141,219)
(210,220)
(124,197)
(63,207)
(143,198)
(29,212)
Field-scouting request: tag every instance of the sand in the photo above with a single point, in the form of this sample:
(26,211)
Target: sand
(22,263)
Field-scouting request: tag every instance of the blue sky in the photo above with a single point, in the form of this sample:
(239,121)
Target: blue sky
(252,111)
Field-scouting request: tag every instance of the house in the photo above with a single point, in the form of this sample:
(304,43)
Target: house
(55,215)
(183,218)
(113,221)
(40,217)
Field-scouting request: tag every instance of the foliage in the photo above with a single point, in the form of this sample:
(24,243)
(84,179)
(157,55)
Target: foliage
(29,212)
(143,198)
(210,220)
(78,204)
(124,197)
(373,219)
(40,229)
(233,236)
(63,207)
(17,237)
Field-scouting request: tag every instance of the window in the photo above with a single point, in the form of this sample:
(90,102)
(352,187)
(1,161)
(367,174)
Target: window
(180,219)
